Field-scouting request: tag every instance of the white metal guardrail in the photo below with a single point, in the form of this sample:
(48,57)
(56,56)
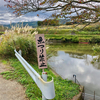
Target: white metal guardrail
(47,88)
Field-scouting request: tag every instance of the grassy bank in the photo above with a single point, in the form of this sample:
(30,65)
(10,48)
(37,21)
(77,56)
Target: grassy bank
(92,29)
(66,31)
(22,38)
(74,38)
(69,33)
(64,89)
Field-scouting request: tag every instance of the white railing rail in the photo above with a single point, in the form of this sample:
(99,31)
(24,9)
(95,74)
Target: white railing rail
(47,88)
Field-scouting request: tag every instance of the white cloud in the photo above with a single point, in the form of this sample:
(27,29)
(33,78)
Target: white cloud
(88,79)
(29,18)
(80,69)
(6,15)
(26,19)
(6,19)
(2,3)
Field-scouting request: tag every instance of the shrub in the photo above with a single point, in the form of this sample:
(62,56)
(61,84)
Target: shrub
(96,48)
(25,42)
(98,27)
(39,23)
(75,39)
(95,40)
(89,28)
(92,28)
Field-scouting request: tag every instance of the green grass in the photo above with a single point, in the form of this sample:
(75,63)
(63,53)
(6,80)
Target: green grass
(65,35)
(59,33)
(64,89)
(88,32)
(1,32)
(53,31)
(4,62)
(74,38)
(57,30)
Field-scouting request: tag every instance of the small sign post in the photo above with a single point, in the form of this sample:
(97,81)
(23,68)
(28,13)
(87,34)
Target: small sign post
(41,55)
(41,51)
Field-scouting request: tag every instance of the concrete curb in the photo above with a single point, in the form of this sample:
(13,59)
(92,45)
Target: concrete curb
(79,96)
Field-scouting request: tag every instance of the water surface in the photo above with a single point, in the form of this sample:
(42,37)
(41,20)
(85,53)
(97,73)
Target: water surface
(75,59)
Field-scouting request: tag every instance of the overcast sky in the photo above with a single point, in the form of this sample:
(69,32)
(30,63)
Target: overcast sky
(6,16)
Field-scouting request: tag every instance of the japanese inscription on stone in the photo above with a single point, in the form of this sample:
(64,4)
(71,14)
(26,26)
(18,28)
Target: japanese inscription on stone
(41,51)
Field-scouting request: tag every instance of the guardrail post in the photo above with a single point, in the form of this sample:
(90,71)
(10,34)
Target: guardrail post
(20,52)
(44,77)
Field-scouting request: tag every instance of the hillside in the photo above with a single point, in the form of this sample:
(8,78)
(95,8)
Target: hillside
(33,24)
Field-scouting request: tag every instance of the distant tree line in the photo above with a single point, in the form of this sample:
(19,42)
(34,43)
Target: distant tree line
(55,22)
(50,22)
(71,23)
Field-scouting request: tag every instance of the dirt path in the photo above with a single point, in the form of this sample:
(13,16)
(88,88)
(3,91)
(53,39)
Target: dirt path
(10,90)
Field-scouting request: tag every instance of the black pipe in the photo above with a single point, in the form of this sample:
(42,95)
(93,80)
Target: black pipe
(75,77)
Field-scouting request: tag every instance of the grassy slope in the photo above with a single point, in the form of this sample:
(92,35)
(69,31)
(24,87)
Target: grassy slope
(64,89)
(89,34)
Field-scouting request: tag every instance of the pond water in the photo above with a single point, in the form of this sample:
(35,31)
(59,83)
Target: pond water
(76,59)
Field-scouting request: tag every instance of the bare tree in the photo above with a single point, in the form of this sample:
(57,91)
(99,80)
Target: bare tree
(81,11)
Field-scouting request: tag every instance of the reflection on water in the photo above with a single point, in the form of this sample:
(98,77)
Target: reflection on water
(67,64)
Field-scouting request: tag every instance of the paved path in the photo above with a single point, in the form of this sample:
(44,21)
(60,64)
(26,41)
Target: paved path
(10,90)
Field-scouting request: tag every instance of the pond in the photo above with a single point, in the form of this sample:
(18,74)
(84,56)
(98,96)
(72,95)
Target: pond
(76,59)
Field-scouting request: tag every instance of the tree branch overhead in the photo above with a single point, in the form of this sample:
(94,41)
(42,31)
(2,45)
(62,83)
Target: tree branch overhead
(77,10)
